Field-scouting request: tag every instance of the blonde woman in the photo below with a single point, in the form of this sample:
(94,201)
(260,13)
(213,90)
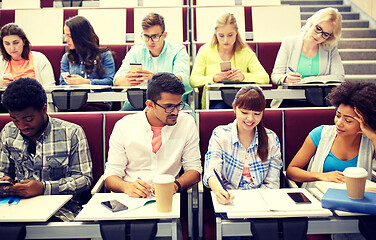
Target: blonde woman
(226,45)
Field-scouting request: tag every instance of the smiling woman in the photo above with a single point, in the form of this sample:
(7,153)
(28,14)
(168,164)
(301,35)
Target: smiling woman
(18,60)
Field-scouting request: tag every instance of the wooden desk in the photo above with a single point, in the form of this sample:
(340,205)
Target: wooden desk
(35,209)
(320,221)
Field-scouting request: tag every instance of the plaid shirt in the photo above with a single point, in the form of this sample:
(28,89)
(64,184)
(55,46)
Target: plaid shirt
(226,154)
(62,161)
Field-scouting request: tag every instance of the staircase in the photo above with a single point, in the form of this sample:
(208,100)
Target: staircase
(357,46)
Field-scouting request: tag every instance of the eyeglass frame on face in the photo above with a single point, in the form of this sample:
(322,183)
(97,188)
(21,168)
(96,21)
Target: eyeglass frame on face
(143,36)
(318,30)
(179,106)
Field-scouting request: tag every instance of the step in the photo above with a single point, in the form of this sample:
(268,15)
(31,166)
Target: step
(349,23)
(356,43)
(358,33)
(360,67)
(365,77)
(312,2)
(357,54)
(345,15)
(315,8)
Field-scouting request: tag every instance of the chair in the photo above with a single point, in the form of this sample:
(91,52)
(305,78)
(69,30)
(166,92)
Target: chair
(137,98)
(68,99)
(72,3)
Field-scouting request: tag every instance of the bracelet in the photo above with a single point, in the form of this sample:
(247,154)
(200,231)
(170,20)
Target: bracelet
(177,184)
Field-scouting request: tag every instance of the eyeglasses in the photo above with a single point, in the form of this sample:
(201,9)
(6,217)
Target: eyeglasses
(170,109)
(154,38)
(324,35)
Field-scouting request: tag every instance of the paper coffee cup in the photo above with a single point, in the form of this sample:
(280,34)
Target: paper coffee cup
(164,190)
(355,178)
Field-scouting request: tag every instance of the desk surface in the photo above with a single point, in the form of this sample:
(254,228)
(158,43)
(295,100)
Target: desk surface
(94,210)
(35,209)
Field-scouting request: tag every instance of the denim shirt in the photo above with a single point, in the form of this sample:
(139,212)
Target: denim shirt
(78,69)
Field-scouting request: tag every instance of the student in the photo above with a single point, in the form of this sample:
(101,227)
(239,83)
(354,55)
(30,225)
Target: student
(86,61)
(18,60)
(156,54)
(329,149)
(159,140)
(244,153)
(313,55)
(41,155)
(226,45)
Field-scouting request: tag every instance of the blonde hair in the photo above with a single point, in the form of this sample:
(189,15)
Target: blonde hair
(228,19)
(326,14)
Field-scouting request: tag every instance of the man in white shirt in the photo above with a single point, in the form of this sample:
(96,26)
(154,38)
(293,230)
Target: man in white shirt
(159,140)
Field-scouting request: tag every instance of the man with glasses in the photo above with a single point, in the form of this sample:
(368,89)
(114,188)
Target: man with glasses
(155,55)
(159,140)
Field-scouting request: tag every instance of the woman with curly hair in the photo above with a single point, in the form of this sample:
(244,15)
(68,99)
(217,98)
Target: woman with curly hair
(86,61)
(351,142)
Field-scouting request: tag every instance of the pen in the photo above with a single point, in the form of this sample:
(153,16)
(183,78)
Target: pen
(220,181)
(292,70)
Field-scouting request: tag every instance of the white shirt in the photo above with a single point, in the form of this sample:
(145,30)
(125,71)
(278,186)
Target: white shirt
(130,154)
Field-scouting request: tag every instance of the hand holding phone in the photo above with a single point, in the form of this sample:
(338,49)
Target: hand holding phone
(134,67)
(114,205)
(299,197)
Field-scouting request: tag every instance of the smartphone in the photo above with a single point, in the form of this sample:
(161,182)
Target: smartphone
(65,74)
(8,76)
(299,197)
(135,67)
(114,205)
(5,183)
(225,66)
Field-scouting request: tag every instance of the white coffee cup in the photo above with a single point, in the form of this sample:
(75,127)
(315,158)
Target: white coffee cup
(164,190)
(355,178)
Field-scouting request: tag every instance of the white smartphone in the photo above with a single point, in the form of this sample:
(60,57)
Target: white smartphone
(8,76)
(65,74)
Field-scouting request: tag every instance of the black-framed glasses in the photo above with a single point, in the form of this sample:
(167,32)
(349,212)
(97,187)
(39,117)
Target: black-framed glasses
(154,38)
(324,35)
(170,109)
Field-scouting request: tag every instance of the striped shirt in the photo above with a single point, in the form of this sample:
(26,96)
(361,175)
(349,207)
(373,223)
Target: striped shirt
(62,161)
(227,155)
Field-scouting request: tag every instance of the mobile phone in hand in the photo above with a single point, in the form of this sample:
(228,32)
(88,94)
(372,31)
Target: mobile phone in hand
(114,205)
(65,74)
(299,197)
(134,67)
(225,66)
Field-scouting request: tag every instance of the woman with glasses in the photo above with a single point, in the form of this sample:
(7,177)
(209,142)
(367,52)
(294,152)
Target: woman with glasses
(18,60)
(86,62)
(226,46)
(313,55)
(244,154)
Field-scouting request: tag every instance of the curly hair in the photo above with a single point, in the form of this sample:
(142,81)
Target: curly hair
(24,93)
(357,94)
(164,82)
(14,29)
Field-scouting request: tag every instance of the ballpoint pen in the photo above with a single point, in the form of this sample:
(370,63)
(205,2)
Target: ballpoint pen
(221,182)
(292,70)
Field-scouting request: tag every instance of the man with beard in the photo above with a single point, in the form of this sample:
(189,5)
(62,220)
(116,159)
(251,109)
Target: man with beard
(159,140)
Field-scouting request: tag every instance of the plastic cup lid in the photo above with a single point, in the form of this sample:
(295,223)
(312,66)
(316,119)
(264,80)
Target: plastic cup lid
(355,172)
(163,178)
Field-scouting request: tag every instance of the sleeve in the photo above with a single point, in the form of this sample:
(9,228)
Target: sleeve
(117,158)
(272,178)
(64,67)
(130,57)
(109,66)
(315,135)
(257,73)
(181,66)
(337,72)
(279,71)
(191,157)
(45,70)
(7,167)
(198,77)
(213,157)
(80,176)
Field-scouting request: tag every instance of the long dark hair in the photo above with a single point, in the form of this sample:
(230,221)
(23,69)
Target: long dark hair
(252,98)
(14,29)
(86,43)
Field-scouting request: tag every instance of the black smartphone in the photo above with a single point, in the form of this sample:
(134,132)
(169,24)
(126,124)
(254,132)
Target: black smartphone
(114,205)
(299,197)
